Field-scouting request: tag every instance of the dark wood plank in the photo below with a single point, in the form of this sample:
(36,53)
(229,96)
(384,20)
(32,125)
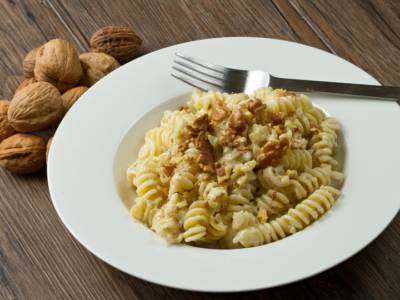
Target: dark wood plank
(38,257)
(299,25)
(164,23)
(364,32)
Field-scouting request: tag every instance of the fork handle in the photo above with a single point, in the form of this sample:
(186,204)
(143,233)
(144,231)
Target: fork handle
(390,93)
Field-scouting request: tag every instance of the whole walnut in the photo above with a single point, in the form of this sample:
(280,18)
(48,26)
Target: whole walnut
(72,95)
(35,107)
(29,62)
(25,83)
(118,41)
(57,62)
(5,128)
(95,66)
(23,153)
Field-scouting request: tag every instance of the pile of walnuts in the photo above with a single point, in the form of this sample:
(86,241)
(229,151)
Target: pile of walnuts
(55,77)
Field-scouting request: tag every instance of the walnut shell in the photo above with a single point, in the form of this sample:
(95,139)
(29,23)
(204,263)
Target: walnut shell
(35,107)
(25,83)
(72,95)
(57,62)
(23,153)
(48,147)
(5,128)
(28,63)
(118,41)
(95,66)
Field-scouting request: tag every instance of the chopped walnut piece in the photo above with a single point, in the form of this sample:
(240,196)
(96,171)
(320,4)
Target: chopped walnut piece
(237,122)
(219,112)
(168,169)
(182,147)
(255,105)
(226,137)
(200,124)
(277,118)
(239,142)
(206,157)
(271,151)
(262,215)
(219,169)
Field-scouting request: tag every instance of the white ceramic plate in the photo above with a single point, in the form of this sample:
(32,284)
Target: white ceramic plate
(86,173)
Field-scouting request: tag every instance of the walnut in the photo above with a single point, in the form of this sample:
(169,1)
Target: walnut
(199,125)
(277,118)
(72,95)
(226,137)
(182,147)
(271,151)
(23,153)
(35,107)
(237,122)
(255,105)
(239,142)
(219,169)
(168,169)
(25,83)
(57,62)
(118,41)
(96,66)
(5,128)
(29,62)
(206,157)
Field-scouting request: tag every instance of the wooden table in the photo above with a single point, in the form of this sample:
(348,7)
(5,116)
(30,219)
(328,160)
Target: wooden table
(39,259)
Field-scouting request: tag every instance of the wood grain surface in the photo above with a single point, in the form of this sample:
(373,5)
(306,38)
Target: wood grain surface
(38,257)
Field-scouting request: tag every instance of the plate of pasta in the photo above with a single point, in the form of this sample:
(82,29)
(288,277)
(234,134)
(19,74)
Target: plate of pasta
(207,191)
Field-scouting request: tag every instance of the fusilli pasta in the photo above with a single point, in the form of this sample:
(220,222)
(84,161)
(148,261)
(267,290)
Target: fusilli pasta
(236,170)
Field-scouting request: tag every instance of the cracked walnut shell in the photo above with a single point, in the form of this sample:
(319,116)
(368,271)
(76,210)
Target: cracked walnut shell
(118,41)
(35,107)
(23,153)
(57,62)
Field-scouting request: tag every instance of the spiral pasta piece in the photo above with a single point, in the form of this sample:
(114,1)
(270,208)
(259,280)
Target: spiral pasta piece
(310,180)
(148,186)
(216,228)
(281,101)
(243,219)
(297,159)
(144,211)
(181,182)
(195,222)
(273,202)
(324,142)
(272,177)
(304,214)
(239,200)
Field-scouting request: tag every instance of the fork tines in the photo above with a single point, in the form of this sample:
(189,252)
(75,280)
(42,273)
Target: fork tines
(197,73)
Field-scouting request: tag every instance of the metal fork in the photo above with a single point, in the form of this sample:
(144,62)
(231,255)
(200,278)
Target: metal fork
(207,76)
